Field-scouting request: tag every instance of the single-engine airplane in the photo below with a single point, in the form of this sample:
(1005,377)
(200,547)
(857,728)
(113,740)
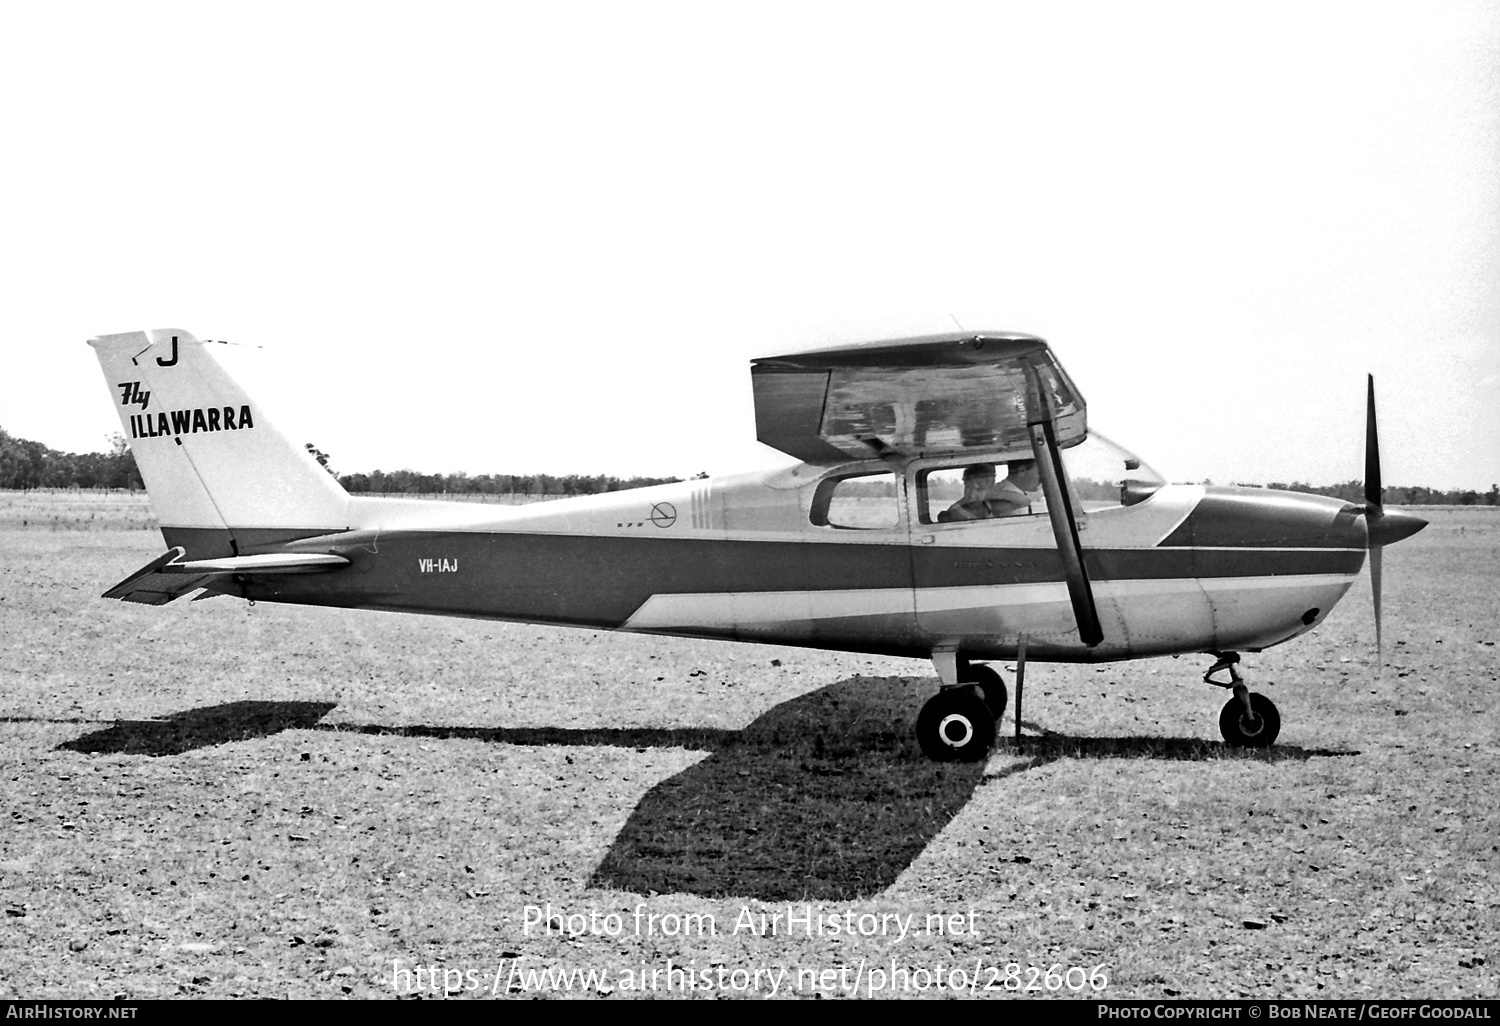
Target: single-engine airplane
(890,536)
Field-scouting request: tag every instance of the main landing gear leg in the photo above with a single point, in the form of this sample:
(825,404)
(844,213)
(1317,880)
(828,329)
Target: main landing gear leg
(1249,719)
(1020,683)
(958,723)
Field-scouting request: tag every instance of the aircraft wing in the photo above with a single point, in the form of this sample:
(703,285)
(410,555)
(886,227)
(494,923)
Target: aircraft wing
(165,578)
(931,396)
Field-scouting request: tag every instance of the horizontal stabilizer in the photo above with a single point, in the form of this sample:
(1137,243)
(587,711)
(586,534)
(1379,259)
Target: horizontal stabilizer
(268,563)
(153,587)
(164,578)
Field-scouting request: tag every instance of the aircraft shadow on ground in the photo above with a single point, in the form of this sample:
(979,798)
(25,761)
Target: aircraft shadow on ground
(824,797)
(829,797)
(199,728)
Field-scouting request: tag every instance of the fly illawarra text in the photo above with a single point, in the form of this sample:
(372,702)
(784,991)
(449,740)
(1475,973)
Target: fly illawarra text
(185,422)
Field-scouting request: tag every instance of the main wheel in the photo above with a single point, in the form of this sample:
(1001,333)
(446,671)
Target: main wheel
(955,726)
(992,685)
(1244,732)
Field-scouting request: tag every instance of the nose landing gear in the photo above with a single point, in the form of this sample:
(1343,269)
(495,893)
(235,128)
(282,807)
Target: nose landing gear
(1248,720)
(991,687)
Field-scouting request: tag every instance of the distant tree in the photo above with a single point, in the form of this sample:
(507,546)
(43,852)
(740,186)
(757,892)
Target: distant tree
(58,469)
(32,464)
(10,460)
(321,457)
(119,469)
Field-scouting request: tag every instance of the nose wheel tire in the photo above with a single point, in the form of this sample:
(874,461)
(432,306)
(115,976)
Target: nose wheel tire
(991,687)
(1245,731)
(956,725)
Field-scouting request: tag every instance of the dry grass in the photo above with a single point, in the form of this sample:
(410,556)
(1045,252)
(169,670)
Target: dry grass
(216,799)
(75,509)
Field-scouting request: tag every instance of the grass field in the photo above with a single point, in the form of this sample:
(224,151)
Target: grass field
(216,799)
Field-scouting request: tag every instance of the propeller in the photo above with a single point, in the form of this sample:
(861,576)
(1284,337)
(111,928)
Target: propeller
(1383,528)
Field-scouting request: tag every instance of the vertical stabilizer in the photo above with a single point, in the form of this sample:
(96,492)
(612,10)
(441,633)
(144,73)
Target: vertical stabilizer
(221,478)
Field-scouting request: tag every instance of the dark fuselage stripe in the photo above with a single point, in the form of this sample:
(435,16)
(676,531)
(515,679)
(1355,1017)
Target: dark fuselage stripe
(601,581)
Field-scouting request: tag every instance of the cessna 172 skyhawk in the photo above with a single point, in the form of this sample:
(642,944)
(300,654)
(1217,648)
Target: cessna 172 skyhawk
(889,537)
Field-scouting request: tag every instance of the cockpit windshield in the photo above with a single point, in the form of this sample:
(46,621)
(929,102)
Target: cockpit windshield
(1104,474)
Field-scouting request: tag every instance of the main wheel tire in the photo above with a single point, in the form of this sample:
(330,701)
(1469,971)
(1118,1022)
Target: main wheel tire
(991,686)
(956,726)
(1242,732)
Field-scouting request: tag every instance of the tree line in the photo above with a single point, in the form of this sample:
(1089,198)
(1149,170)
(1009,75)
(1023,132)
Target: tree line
(25,464)
(408,482)
(1400,495)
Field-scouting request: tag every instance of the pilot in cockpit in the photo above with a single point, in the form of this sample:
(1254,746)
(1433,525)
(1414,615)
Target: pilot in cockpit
(984,499)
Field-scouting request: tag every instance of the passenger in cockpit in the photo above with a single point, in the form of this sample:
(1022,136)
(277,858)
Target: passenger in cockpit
(984,499)
(1012,496)
(978,480)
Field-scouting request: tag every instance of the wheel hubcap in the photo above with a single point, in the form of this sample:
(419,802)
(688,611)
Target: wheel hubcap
(955,730)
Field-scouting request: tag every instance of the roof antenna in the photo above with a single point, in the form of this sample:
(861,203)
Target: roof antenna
(955,321)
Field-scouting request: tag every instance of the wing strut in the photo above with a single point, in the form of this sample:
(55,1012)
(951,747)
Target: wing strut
(1060,509)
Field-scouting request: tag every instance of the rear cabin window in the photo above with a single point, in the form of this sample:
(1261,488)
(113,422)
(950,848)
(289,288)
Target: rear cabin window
(864,502)
(979,491)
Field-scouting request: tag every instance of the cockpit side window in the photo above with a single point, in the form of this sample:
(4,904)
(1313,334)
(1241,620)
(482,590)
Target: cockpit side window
(979,491)
(860,502)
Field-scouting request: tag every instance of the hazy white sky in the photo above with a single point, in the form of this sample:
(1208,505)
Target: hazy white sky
(515,237)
